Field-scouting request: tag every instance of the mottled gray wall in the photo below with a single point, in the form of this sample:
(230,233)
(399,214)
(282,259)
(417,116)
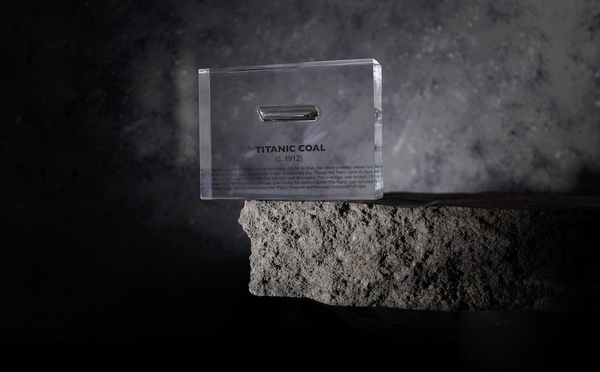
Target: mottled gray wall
(478,95)
(101,100)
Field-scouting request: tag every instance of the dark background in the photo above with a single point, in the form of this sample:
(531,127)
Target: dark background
(103,237)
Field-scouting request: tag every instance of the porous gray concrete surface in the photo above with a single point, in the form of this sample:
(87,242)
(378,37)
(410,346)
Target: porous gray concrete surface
(429,252)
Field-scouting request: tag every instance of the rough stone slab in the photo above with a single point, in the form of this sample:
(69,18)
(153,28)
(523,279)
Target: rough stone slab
(430,252)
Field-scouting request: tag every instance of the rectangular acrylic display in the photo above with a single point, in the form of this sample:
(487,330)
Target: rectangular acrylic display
(295,131)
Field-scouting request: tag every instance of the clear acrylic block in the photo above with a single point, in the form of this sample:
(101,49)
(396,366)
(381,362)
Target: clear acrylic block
(309,131)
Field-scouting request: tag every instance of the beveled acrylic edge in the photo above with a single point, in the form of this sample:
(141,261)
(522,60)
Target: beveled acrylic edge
(204,135)
(302,198)
(341,62)
(378,128)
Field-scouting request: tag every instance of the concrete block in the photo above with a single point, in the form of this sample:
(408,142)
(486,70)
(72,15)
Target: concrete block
(488,251)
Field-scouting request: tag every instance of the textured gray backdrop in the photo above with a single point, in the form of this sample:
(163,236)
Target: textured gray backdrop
(103,233)
(478,95)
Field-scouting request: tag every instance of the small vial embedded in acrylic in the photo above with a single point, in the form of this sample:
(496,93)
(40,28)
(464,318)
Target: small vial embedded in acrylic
(289,113)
